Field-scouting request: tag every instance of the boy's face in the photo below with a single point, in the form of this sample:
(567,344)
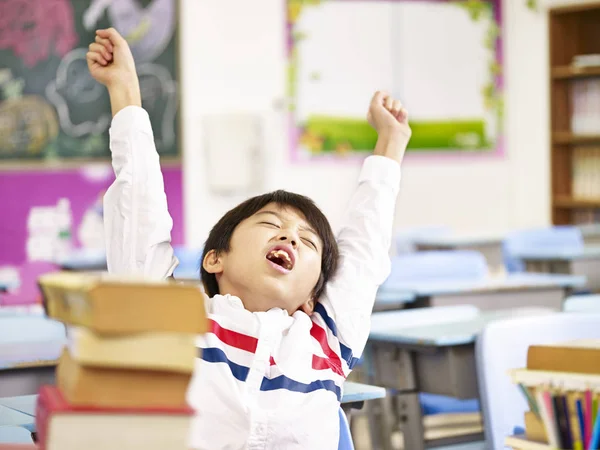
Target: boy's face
(274,261)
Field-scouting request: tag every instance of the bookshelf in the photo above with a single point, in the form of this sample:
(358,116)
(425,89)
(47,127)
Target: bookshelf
(573,30)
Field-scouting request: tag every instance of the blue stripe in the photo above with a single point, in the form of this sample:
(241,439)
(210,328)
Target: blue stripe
(328,320)
(346,351)
(347,355)
(283,382)
(216,355)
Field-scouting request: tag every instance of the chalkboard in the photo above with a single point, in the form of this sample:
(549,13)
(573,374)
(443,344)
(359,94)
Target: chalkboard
(50,107)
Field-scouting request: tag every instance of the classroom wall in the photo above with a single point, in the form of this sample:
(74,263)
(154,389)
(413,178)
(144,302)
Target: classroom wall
(233,60)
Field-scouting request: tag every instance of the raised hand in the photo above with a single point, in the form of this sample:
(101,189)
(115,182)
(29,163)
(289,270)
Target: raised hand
(390,120)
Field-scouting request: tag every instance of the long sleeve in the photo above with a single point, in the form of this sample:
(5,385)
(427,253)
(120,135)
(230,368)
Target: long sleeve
(137,223)
(364,241)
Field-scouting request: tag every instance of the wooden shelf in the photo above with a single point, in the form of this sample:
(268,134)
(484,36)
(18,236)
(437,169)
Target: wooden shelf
(566,137)
(569,202)
(570,72)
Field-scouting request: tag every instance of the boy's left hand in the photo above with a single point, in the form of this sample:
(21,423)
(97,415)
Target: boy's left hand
(390,120)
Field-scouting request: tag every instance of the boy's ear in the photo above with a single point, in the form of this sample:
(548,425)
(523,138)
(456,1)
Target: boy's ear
(212,263)
(308,307)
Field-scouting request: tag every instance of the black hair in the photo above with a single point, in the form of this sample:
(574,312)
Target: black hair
(219,238)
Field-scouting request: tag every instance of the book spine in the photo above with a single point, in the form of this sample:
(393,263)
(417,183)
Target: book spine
(42,418)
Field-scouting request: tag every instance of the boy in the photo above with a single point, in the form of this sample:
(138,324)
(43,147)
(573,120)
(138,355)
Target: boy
(289,306)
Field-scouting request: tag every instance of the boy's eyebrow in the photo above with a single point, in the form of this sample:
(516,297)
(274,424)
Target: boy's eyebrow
(276,214)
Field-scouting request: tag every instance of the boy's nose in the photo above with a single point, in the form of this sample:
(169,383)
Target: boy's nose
(291,240)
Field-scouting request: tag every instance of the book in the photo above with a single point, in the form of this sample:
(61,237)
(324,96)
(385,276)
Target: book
(581,356)
(172,352)
(452,419)
(63,426)
(534,428)
(522,443)
(114,305)
(120,388)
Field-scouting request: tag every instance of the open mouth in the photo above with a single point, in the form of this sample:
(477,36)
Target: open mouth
(281,258)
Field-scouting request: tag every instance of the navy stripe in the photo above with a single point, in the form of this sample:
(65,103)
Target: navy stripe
(346,351)
(347,355)
(216,355)
(328,320)
(283,382)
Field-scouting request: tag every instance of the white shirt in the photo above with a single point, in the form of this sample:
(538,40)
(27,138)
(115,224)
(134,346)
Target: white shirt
(265,380)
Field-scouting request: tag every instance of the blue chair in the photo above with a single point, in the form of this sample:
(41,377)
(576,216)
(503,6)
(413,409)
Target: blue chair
(189,262)
(558,237)
(582,303)
(462,265)
(503,346)
(15,435)
(345,435)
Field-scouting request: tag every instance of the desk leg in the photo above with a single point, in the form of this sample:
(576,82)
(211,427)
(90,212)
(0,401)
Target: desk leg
(410,415)
(381,415)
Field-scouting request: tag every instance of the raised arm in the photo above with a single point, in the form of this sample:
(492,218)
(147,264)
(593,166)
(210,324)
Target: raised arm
(365,237)
(137,223)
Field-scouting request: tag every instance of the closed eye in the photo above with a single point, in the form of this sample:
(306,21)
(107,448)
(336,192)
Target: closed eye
(309,243)
(271,224)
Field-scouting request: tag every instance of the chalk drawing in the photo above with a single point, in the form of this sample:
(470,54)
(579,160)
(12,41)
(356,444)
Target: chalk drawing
(75,86)
(33,29)
(159,96)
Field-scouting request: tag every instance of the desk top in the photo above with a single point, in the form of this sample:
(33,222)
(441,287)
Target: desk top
(441,326)
(458,241)
(84,260)
(358,392)
(588,252)
(391,297)
(25,405)
(507,283)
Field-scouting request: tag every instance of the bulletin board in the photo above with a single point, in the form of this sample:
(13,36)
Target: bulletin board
(51,109)
(442,59)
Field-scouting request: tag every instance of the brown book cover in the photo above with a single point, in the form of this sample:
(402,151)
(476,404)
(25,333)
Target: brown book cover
(113,305)
(582,356)
(120,388)
(534,428)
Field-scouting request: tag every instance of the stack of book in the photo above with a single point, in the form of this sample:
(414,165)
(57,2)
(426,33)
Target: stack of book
(562,386)
(586,172)
(585,118)
(122,378)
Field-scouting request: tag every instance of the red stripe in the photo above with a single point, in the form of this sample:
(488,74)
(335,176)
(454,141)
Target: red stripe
(272,361)
(334,362)
(233,338)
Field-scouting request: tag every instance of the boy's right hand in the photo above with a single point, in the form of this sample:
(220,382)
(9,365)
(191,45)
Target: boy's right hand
(110,60)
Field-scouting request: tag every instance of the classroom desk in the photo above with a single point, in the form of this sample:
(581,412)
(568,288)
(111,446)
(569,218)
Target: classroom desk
(20,410)
(585,262)
(490,246)
(505,292)
(84,260)
(392,299)
(436,357)
(590,233)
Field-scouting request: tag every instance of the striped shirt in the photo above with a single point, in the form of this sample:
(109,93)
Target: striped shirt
(263,380)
